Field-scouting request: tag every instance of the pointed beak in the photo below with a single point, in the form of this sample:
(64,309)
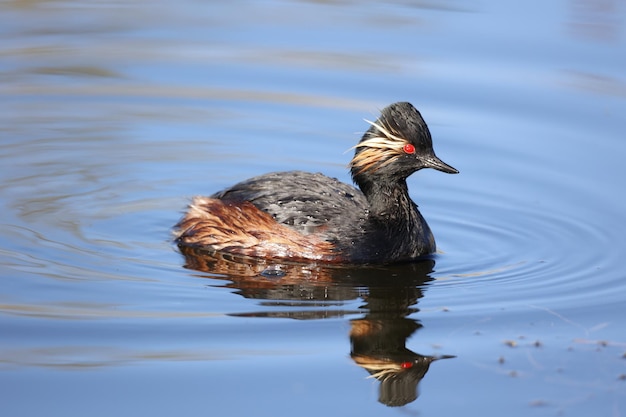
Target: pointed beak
(439,165)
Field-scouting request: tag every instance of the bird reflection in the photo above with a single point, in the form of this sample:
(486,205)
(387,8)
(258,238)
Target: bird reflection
(378,339)
(379,343)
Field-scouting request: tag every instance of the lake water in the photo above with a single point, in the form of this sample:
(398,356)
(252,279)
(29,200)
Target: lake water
(113,115)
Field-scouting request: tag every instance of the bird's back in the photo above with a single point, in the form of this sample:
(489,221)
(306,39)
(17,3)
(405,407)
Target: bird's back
(306,202)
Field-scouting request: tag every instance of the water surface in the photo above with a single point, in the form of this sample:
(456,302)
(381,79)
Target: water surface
(114,115)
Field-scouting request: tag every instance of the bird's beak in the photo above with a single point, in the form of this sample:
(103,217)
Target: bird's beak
(439,165)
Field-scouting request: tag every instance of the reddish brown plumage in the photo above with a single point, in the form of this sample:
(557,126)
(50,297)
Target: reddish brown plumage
(239,227)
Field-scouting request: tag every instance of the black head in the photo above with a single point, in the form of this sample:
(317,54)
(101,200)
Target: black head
(395,146)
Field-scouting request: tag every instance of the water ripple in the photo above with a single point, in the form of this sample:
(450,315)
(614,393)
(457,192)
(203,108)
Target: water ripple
(514,255)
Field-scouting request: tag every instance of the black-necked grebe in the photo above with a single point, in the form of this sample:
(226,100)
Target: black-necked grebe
(303,216)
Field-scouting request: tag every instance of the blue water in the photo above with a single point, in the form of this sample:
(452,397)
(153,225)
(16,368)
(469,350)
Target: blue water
(114,115)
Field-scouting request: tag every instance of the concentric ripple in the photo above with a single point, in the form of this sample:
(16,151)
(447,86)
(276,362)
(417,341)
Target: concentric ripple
(505,248)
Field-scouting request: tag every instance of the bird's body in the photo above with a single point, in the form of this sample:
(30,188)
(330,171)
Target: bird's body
(303,216)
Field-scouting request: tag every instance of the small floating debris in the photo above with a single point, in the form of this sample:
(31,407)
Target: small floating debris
(273,271)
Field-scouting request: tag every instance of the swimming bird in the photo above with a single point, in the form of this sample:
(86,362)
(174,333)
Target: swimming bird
(309,217)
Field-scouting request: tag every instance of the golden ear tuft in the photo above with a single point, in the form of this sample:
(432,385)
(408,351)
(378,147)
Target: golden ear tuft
(381,148)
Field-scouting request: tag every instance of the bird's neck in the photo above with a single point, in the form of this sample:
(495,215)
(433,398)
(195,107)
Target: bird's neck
(389,201)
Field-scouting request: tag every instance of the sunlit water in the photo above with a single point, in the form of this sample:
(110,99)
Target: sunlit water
(114,115)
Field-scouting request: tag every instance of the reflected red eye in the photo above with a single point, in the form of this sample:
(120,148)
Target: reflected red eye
(408,148)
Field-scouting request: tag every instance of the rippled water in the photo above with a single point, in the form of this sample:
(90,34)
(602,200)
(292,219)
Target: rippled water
(114,115)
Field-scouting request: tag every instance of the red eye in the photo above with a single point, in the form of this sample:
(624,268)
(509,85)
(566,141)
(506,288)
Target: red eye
(406,365)
(408,148)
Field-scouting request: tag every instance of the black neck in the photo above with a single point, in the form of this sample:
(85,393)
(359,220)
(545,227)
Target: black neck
(388,200)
